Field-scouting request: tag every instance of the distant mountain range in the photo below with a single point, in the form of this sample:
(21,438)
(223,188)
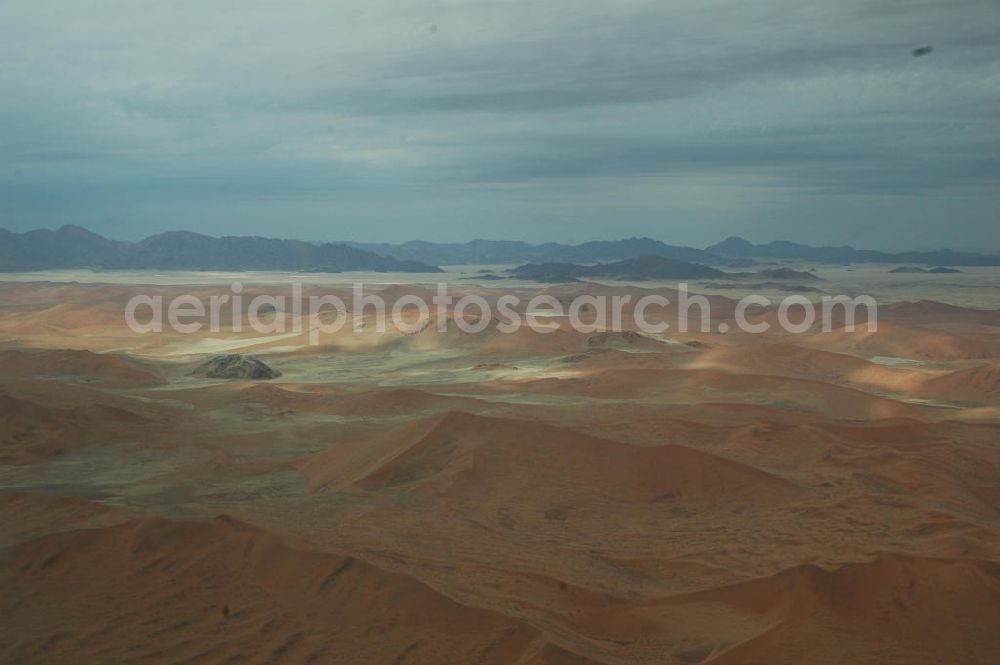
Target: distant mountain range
(636,269)
(494,252)
(736,247)
(76,247)
(733,252)
(644,268)
(937,270)
(786,273)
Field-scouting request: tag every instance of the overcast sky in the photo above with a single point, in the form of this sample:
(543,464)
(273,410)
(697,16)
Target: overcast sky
(683,120)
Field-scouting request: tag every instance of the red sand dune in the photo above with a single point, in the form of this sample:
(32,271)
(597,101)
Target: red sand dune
(328,399)
(31,432)
(615,499)
(976,385)
(903,340)
(459,453)
(225,591)
(979,384)
(28,515)
(705,385)
(104,369)
(899,609)
(779,359)
(931,311)
(67,318)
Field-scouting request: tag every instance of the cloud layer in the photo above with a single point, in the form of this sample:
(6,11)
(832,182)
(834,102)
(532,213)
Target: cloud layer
(683,120)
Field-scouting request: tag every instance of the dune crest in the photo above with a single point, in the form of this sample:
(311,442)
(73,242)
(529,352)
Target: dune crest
(181,588)
(463,452)
(908,609)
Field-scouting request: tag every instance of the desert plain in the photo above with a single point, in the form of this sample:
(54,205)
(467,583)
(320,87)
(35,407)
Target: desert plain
(603,497)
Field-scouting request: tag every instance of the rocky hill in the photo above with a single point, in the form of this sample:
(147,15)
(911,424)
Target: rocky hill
(638,269)
(737,247)
(76,247)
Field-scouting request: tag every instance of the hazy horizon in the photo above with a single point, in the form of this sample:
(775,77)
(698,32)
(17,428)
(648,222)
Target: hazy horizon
(385,121)
(401,241)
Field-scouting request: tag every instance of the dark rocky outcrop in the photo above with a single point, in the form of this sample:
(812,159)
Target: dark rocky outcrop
(235,366)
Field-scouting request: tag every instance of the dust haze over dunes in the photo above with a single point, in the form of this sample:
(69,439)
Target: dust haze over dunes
(604,497)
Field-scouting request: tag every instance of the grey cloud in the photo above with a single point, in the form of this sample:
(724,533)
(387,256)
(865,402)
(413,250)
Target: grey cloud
(320,113)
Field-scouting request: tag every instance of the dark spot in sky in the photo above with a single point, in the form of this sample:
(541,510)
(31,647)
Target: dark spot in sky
(923,50)
(433,29)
